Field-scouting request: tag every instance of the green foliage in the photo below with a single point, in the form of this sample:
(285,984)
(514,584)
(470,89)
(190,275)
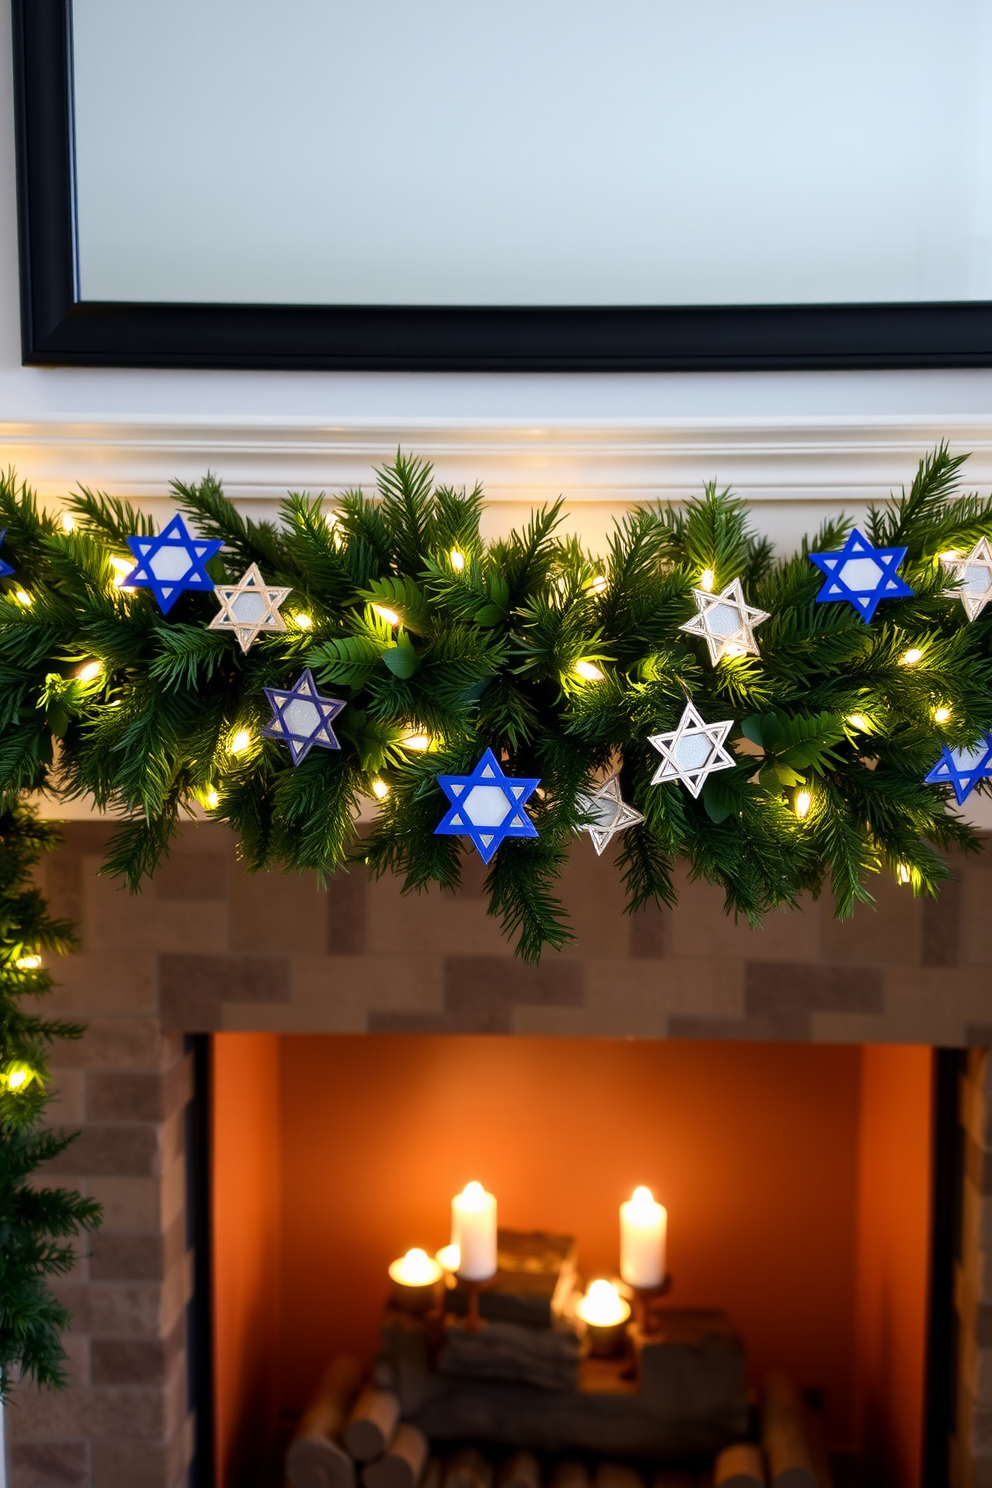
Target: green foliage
(561,660)
(36,1224)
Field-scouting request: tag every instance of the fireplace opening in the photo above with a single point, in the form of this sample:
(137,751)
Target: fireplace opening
(798,1180)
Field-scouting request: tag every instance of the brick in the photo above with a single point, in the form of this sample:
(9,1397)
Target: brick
(64,885)
(941,928)
(978,1166)
(118,921)
(116,1043)
(637,998)
(119,1150)
(136,1361)
(346,913)
(49,1464)
(782,995)
(432,923)
(479,991)
(128,1203)
(274,914)
(887,932)
(108,1411)
(193,989)
(87,838)
(647,931)
(185,875)
(132,1310)
(123,1096)
(104,982)
(68,1107)
(122,1257)
(126,1463)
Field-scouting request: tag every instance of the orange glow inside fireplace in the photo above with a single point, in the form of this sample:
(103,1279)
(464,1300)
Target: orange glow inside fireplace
(797,1179)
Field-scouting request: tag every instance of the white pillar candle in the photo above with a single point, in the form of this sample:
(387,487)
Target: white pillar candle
(643,1231)
(473,1230)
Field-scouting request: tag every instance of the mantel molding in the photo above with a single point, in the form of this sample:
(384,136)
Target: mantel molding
(829,461)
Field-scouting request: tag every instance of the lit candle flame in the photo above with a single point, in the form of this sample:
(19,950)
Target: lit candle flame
(603,1305)
(415,1269)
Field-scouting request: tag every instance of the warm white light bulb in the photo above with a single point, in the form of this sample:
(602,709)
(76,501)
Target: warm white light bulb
(380,789)
(68,522)
(303,621)
(902,873)
(240,742)
(707,579)
(911,657)
(597,585)
(90,671)
(588,672)
(803,802)
(122,565)
(858,721)
(457,560)
(16,1079)
(211,800)
(384,613)
(941,715)
(23,597)
(420,742)
(28,963)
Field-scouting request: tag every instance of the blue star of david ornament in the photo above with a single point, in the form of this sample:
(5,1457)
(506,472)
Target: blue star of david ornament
(5,568)
(963,768)
(486,806)
(861,574)
(171,562)
(301,718)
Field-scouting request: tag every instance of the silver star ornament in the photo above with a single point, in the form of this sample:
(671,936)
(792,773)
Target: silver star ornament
(249,608)
(608,813)
(693,751)
(726,622)
(974,573)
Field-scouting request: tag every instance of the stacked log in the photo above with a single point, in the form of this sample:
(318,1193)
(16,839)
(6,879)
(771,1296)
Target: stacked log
(315,1458)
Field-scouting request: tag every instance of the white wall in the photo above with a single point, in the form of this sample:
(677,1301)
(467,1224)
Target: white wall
(794,444)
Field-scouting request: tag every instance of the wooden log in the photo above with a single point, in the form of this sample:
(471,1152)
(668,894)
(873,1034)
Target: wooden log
(617,1475)
(402,1465)
(783,1434)
(315,1459)
(741,1466)
(372,1423)
(468,1469)
(521,1470)
(569,1474)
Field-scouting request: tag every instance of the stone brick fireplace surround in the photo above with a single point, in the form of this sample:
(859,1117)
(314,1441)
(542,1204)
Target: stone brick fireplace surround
(207,947)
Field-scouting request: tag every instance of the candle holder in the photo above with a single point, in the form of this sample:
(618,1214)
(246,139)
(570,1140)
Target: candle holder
(473,1291)
(641,1302)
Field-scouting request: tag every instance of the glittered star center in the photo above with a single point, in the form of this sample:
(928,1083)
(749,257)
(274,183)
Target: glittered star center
(249,608)
(861,574)
(726,622)
(963,768)
(170,563)
(608,814)
(302,718)
(693,751)
(974,575)
(486,806)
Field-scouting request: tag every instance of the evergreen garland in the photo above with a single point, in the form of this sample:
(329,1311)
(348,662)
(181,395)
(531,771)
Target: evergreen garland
(101,693)
(36,1224)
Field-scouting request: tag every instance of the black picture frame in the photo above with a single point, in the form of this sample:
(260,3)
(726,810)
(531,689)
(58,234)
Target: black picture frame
(60,329)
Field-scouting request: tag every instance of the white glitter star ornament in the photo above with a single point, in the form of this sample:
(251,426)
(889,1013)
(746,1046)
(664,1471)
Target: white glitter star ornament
(726,622)
(693,751)
(249,608)
(608,813)
(975,575)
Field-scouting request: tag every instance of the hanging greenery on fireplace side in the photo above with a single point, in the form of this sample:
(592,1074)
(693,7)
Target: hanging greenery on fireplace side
(37,1224)
(385,644)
